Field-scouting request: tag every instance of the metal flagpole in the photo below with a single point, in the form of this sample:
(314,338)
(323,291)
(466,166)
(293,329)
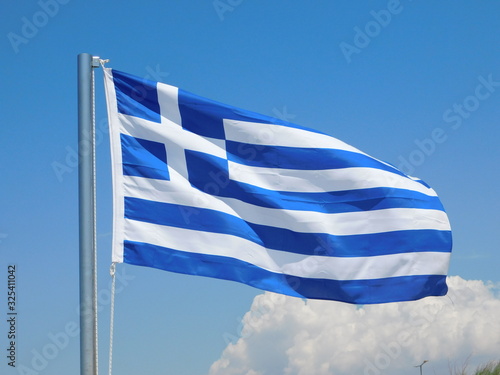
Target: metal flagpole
(86,197)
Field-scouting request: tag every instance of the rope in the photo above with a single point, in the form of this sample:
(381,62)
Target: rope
(112,317)
(96,333)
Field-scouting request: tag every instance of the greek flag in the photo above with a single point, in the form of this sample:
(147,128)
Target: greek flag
(204,188)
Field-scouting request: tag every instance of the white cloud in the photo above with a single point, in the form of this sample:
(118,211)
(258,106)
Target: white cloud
(285,335)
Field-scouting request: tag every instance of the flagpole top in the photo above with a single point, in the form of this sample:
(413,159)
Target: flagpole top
(95,61)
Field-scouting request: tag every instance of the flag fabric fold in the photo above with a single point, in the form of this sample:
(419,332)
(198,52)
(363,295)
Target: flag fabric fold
(204,188)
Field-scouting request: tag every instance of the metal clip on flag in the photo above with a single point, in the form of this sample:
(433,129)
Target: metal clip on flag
(204,188)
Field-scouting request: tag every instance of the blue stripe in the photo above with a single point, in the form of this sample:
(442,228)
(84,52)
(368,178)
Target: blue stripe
(144,158)
(301,158)
(323,244)
(210,175)
(136,96)
(329,202)
(394,289)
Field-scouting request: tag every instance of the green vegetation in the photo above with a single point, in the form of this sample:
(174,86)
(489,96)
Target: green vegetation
(492,368)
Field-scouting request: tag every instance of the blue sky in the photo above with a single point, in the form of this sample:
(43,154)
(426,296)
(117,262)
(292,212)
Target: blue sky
(413,83)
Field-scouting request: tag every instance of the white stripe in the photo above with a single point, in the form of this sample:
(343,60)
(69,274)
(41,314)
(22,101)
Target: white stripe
(363,222)
(352,268)
(116,163)
(306,181)
(168,101)
(279,135)
(171,118)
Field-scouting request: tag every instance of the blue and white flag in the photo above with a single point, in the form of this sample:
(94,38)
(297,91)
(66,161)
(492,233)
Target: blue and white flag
(204,188)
